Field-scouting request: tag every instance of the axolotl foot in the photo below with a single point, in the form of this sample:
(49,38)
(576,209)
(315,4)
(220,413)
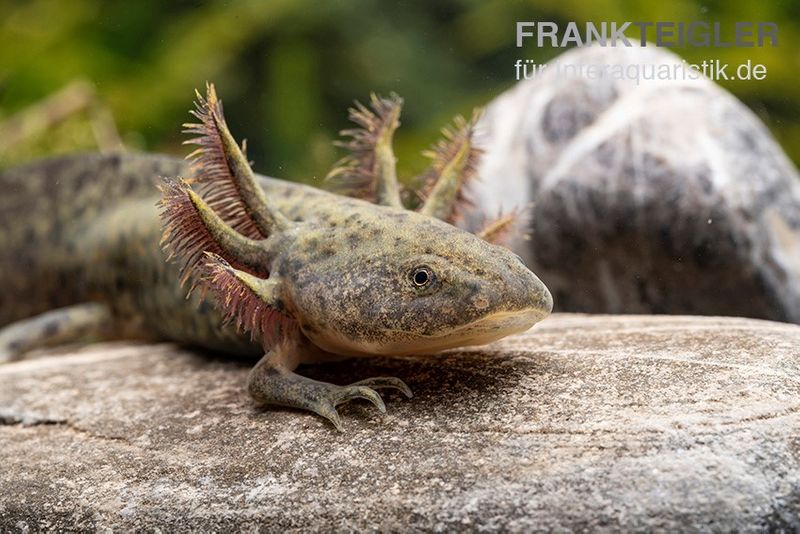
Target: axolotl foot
(270,382)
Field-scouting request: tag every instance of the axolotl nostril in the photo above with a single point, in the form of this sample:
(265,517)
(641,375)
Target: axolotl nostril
(301,274)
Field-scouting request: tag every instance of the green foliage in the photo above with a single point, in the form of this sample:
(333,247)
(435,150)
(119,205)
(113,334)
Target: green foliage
(288,69)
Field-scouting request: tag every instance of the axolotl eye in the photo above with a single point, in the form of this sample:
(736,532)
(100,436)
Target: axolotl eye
(422,276)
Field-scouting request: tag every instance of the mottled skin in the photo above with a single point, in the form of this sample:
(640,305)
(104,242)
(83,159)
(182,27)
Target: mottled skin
(84,231)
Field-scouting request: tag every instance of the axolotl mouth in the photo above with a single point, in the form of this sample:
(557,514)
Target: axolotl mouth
(485,330)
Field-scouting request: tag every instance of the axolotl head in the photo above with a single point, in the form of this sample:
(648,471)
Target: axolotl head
(377,280)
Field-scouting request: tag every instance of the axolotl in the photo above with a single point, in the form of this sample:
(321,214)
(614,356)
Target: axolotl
(210,254)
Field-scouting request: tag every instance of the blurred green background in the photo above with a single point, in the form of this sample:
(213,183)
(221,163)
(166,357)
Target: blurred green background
(288,69)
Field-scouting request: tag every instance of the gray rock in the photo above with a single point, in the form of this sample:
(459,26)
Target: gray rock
(594,422)
(657,197)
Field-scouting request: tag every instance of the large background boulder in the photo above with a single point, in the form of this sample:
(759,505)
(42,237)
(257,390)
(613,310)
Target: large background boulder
(652,197)
(584,422)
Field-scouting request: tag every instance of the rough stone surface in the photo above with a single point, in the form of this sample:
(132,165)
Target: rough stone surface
(596,422)
(649,197)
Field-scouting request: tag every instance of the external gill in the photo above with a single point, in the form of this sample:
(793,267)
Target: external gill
(231,220)
(369,171)
(253,304)
(506,226)
(454,163)
(191,228)
(224,176)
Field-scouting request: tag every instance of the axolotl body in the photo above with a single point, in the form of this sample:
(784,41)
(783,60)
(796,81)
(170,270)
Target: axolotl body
(284,270)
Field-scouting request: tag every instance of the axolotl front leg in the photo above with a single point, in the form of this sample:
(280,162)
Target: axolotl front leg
(273,382)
